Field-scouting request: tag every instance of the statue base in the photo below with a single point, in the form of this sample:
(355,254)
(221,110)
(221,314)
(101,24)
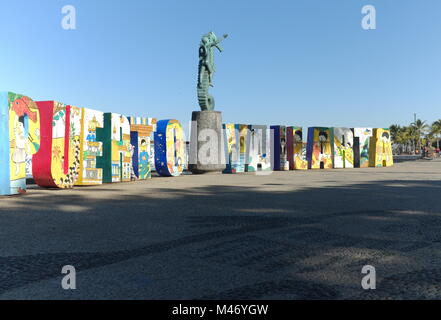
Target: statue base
(207,147)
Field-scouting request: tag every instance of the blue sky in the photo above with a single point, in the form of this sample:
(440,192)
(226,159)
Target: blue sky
(290,62)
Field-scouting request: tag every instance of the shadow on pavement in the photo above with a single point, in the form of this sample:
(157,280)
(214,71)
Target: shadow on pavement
(306,243)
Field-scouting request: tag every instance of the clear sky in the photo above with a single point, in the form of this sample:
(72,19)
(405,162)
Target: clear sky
(290,62)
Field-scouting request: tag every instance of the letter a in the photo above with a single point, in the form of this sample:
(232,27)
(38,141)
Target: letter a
(69,281)
(369,281)
(69,21)
(369,21)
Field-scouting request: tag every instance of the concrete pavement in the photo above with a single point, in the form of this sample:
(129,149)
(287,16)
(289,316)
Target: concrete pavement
(289,235)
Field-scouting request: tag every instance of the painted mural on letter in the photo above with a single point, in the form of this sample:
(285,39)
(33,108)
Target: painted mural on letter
(19,140)
(243,136)
(381,149)
(258,151)
(279,154)
(231,137)
(170,148)
(362,139)
(57,164)
(319,153)
(90,148)
(342,148)
(141,130)
(116,159)
(296,149)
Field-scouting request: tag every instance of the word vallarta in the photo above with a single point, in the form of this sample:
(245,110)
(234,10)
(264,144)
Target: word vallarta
(62,145)
(252,148)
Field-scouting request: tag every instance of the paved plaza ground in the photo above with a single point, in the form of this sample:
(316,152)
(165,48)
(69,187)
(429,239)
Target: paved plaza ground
(288,235)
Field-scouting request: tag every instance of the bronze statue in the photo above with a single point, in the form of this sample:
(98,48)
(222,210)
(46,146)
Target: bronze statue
(207,69)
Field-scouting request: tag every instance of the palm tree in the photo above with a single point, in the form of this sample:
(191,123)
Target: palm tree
(403,137)
(399,138)
(394,131)
(420,127)
(428,139)
(436,131)
(410,134)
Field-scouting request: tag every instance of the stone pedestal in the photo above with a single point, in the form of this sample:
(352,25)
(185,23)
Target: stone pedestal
(207,147)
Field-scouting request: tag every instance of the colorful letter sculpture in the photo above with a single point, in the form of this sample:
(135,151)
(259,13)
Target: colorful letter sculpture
(279,154)
(57,164)
(152,154)
(243,134)
(296,151)
(60,146)
(19,139)
(318,152)
(231,138)
(90,148)
(170,147)
(381,149)
(140,139)
(362,138)
(116,159)
(258,156)
(342,148)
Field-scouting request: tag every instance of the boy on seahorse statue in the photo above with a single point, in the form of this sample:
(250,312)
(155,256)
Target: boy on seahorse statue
(206,56)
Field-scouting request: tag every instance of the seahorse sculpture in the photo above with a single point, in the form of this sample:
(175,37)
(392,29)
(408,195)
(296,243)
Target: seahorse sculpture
(207,69)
